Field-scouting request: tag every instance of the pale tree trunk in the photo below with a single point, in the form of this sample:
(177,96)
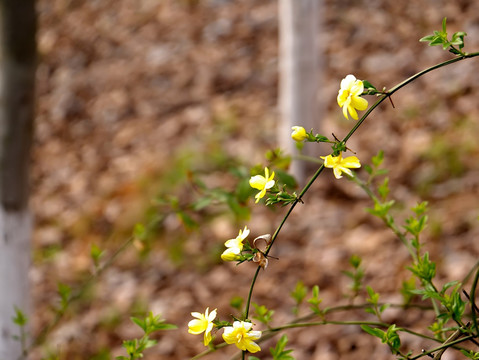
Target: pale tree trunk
(17,74)
(299,73)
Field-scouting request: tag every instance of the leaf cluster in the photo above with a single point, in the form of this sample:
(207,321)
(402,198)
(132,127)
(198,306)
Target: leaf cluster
(440,38)
(263,314)
(149,325)
(389,337)
(278,352)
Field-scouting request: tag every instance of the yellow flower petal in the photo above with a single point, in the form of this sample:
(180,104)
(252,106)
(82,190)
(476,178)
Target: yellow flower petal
(257,182)
(230,255)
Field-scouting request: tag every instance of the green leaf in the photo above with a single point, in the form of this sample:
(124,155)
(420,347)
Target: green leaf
(381,209)
(355,261)
(368,85)
(263,314)
(378,159)
(299,292)
(427,38)
(64,291)
(202,203)
(389,337)
(383,189)
(420,208)
(241,212)
(392,339)
(298,295)
(278,351)
(471,354)
(314,301)
(320,138)
(20,318)
(449,285)
(139,232)
(96,253)
(284,178)
(425,270)
(152,323)
(187,220)
(243,191)
(373,331)
(236,302)
(373,296)
(407,289)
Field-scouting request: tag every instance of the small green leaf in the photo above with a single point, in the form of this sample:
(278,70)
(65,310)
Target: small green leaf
(187,220)
(373,331)
(315,301)
(241,212)
(378,159)
(299,292)
(320,138)
(298,295)
(236,302)
(383,189)
(427,38)
(202,203)
(368,85)
(355,261)
(243,191)
(20,318)
(96,253)
(139,231)
(285,178)
(64,292)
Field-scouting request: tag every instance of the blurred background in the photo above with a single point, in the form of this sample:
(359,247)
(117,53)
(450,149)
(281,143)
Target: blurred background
(141,102)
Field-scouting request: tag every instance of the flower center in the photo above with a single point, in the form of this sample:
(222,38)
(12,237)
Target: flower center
(239,336)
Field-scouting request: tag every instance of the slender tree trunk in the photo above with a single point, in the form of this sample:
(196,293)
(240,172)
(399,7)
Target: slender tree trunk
(17,74)
(299,72)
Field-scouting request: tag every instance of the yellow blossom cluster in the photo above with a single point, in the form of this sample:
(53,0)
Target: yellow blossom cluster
(349,99)
(240,334)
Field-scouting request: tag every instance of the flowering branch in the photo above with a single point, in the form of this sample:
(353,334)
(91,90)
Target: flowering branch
(350,100)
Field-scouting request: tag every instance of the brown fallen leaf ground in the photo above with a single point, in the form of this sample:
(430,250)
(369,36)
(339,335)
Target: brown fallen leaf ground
(131,94)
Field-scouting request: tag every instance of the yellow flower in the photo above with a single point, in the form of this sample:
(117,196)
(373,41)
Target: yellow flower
(241,335)
(262,183)
(203,322)
(340,165)
(299,133)
(349,96)
(235,246)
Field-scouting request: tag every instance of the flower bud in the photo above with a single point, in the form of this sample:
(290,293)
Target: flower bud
(229,255)
(299,133)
